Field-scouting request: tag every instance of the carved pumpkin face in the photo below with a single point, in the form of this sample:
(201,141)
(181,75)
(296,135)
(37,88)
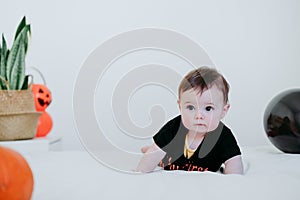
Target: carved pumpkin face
(42,96)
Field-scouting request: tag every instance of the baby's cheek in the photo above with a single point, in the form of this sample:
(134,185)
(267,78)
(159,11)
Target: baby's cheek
(212,127)
(186,123)
(212,123)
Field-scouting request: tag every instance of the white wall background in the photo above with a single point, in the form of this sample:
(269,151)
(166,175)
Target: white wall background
(254,43)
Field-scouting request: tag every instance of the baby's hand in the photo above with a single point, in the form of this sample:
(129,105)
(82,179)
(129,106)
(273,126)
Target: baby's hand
(145,149)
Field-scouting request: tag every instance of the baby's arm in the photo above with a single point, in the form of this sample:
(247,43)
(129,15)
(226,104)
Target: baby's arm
(150,159)
(234,165)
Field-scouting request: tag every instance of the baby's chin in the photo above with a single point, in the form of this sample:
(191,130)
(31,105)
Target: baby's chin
(199,128)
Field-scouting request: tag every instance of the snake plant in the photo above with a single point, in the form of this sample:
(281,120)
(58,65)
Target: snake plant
(12,61)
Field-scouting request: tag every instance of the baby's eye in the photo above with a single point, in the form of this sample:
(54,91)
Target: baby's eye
(209,108)
(190,107)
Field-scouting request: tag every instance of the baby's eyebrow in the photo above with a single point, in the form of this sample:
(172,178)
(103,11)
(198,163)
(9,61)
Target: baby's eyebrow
(190,101)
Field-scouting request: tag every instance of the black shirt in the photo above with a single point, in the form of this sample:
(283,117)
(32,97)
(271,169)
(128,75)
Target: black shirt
(217,147)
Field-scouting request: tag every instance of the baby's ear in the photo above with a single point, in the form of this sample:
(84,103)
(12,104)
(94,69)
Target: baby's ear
(178,102)
(225,109)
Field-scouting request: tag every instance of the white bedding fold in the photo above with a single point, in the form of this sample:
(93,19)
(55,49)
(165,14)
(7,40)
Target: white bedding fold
(270,174)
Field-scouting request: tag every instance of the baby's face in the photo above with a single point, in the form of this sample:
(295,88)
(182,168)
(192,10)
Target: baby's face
(202,112)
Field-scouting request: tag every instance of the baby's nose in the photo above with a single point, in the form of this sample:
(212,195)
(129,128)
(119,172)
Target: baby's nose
(199,114)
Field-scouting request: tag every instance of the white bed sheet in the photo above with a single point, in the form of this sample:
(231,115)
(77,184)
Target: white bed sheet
(74,175)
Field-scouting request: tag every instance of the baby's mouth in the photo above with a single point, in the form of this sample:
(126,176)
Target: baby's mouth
(200,124)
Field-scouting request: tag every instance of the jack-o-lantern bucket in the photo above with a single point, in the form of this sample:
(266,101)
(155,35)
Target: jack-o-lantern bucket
(42,97)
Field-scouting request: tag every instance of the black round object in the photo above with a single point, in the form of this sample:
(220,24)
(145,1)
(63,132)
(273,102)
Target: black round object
(282,121)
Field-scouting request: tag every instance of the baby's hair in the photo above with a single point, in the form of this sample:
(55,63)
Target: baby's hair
(202,79)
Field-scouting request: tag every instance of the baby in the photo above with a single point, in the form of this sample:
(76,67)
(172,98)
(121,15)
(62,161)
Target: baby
(196,140)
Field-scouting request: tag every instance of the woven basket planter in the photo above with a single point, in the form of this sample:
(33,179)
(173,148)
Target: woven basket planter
(18,117)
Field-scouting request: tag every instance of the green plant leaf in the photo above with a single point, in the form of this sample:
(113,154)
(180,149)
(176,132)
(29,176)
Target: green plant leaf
(1,67)
(20,28)
(1,88)
(25,84)
(13,60)
(18,70)
(4,51)
(7,53)
(28,34)
(15,66)
(0,59)
(3,54)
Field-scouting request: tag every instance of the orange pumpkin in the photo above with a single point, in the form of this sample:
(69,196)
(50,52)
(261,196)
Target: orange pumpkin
(42,96)
(16,178)
(45,124)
